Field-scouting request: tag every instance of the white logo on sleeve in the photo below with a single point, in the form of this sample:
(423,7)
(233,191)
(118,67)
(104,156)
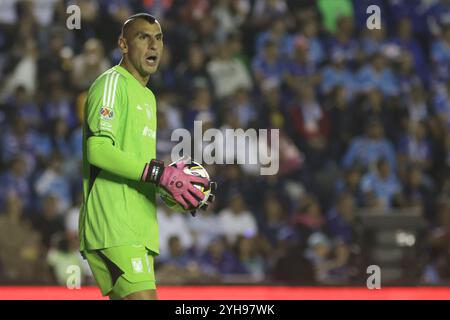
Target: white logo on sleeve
(139,107)
(147,132)
(137,265)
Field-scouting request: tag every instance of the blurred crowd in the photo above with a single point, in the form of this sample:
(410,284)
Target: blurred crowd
(363,117)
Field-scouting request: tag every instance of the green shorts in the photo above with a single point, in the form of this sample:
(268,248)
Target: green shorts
(120,271)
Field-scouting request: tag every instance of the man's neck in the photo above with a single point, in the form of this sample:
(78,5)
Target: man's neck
(129,67)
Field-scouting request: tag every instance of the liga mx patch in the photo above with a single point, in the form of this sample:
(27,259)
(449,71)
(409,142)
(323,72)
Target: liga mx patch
(106,113)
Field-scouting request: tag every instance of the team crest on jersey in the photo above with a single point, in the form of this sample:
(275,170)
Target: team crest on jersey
(106,113)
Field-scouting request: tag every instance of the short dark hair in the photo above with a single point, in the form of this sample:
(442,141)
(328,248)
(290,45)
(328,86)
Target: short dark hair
(145,16)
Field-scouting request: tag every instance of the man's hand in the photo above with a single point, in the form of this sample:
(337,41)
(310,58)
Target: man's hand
(211,198)
(177,183)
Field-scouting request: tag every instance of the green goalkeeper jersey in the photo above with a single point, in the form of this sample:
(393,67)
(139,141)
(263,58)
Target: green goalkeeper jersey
(117,208)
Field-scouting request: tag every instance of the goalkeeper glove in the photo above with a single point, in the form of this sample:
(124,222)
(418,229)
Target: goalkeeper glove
(177,183)
(211,198)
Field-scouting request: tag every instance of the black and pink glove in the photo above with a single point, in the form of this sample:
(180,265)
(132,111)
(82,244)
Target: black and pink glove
(211,197)
(177,183)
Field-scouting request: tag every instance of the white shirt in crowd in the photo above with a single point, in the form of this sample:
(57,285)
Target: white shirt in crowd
(170,224)
(205,227)
(233,225)
(228,76)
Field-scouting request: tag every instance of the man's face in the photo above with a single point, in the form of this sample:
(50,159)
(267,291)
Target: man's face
(144,46)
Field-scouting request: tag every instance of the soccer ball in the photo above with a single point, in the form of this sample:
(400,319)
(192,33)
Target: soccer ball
(193,168)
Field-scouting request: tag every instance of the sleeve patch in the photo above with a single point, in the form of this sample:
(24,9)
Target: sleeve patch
(106,113)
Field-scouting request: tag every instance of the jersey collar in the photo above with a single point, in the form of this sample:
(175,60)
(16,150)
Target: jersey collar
(127,74)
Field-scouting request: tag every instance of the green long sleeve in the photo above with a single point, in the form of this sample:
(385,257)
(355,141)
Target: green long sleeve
(103,154)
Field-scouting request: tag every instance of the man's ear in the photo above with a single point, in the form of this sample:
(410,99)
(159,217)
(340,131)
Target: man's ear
(123,46)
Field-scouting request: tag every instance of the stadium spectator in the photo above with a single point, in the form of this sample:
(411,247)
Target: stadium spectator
(227,73)
(405,41)
(374,106)
(60,138)
(342,125)
(19,139)
(48,221)
(172,224)
(329,259)
(373,40)
(341,219)
(202,101)
(177,256)
(192,71)
(414,147)
(316,50)
(381,186)
(204,228)
(242,106)
(407,77)
(237,219)
(343,41)
(20,105)
(265,11)
(274,222)
(52,181)
(441,105)
(336,74)
(437,270)
(16,180)
(350,182)
(311,124)
(21,249)
(300,68)
(63,257)
(248,255)
(89,64)
(437,16)
(418,191)
(416,107)
(440,56)
(219,259)
(230,15)
(25,70)
(308,218)
(377,75)
(277,34)
(59,106)
(268,67)
(367,149)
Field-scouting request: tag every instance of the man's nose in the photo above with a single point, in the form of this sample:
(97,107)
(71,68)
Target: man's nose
(152,43)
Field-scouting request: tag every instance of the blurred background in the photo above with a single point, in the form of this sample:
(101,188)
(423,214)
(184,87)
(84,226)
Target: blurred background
(364,120)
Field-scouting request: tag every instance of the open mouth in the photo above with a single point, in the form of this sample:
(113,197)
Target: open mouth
(151,59)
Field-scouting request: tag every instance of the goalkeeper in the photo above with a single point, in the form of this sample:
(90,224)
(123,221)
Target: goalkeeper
(118,226)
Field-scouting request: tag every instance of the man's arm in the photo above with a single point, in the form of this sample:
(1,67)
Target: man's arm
(103,154)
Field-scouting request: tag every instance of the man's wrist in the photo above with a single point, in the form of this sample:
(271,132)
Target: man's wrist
(153,171)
